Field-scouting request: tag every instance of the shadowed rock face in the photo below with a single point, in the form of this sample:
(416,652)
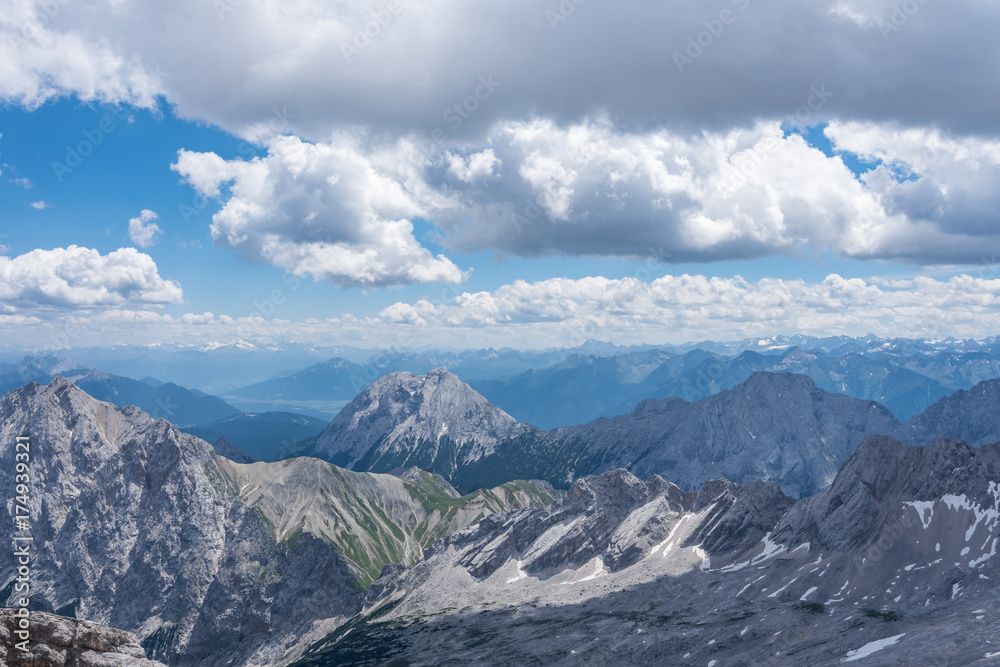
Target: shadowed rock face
(57,641)
(971,415)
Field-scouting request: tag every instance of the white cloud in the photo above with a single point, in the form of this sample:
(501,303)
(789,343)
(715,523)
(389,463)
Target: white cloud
(76,277)
(39,205)
(142,230)
(339,212)
(473,167)
(939,192)
(564,313)
(46,53)
(23,182)
(675,309)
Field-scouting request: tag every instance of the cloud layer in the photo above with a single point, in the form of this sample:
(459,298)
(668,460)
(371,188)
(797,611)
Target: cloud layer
(564,313)
(401,66)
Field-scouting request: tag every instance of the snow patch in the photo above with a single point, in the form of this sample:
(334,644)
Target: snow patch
(925,510)
(871,647)
(775,593)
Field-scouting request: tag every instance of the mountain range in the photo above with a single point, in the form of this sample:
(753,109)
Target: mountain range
(771,522)
(568,387)
(773,426)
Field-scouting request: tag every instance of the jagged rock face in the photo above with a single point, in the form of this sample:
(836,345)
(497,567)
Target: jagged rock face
(57,641)
(896,562)
(777,427)
(882,480)
(135,528)
(970,415)
(430,421)
(611,521)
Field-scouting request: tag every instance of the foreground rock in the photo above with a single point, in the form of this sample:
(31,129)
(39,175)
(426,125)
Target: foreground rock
(58,641)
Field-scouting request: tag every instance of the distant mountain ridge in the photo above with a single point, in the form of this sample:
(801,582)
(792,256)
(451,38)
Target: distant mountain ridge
(179,405)
(773,426)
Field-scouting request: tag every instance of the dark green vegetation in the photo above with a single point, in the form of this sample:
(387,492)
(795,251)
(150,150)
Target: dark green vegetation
(885,616)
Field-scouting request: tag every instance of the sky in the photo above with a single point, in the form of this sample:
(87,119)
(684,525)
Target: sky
(524,173)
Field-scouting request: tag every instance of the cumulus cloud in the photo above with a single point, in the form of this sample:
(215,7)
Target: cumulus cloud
(76,277)
(339,211)
(939,192)
(39,205)
(142,230)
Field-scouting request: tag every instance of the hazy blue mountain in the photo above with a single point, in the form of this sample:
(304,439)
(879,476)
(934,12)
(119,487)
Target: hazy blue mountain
(215,368)
(971,415)
(573,391)
(264,436)
(166,400)
(583,388)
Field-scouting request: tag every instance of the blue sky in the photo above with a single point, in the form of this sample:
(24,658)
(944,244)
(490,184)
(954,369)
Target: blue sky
(299,193)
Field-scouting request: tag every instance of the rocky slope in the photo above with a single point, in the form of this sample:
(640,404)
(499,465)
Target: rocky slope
(57,641)
(777,427)
(895,563)
(139,526)
(373,520)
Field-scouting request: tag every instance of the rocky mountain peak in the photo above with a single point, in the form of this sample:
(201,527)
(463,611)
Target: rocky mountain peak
(433,421)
